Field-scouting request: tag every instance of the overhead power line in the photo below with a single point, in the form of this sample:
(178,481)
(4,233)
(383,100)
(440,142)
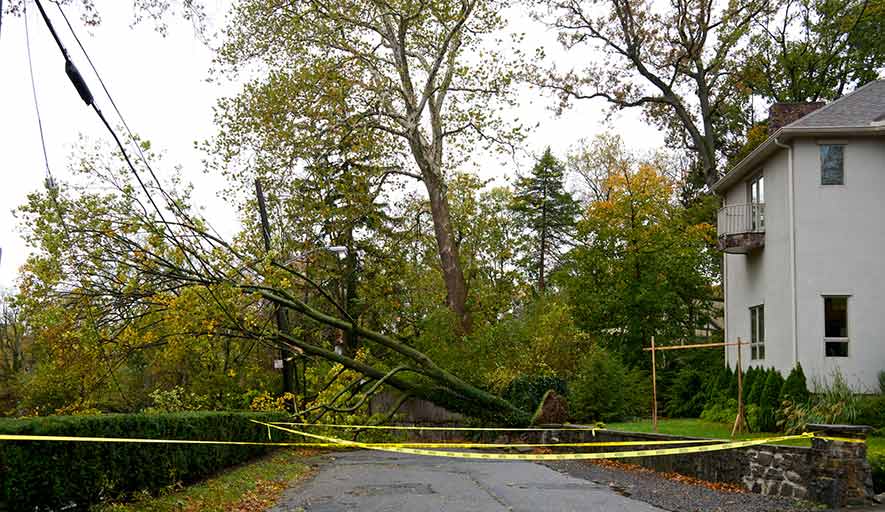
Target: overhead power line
(49,180)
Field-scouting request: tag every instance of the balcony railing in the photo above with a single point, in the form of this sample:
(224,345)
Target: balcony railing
(735,219)
(741,228)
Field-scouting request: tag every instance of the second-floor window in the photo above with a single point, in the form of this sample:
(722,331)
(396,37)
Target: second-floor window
(832,164)
(757,332)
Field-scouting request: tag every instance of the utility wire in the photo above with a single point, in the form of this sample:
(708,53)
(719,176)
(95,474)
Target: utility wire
(49,180)
(86,96)
(172,203)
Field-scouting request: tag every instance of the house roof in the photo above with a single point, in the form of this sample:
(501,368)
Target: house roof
(861,112)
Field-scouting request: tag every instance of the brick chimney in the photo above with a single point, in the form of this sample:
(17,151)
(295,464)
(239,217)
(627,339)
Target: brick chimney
(782,114)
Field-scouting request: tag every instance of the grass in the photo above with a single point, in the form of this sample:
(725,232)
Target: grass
(699,428)
(253,486)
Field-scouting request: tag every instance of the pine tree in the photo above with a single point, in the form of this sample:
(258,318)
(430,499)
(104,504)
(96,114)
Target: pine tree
(795,388)
(547,212)
(768,401)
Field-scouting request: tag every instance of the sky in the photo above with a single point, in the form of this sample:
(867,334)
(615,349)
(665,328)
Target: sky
(159,83)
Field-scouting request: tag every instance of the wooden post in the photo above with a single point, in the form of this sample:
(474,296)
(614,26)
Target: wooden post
(654,388)
(740,424)
(282,320)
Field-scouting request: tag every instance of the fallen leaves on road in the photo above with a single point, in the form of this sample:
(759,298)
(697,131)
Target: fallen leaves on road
(676,477)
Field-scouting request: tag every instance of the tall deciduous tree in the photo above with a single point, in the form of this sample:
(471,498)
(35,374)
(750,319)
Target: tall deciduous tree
(547,211)
(401,70)
(642,267)
(675,60)
(811,50)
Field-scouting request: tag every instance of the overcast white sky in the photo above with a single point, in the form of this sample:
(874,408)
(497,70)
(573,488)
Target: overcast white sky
(160,86)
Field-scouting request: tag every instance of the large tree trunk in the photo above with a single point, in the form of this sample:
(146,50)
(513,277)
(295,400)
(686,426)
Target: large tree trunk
(447,246)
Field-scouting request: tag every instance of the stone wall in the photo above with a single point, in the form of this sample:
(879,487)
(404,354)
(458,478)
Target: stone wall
(833,472)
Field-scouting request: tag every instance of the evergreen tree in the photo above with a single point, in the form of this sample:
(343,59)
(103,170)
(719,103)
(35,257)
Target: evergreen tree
(795,388)
(749,379)
(768,401)
(547,212)
(759,378)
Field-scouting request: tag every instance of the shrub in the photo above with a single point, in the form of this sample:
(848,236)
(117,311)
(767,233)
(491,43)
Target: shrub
(769,403)
(795,388)
(685,397)
(871,411)
(882,382)
(755,394)
(56,475)
(749,379)
(527,391)
(831,403)
(598,389)
(877,462)
(177,400)
(719,411)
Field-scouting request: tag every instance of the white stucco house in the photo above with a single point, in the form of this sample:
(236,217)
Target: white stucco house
(802,225)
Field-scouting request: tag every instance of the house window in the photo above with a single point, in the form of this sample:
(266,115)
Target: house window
(832,164)
(836,326)
(757,332)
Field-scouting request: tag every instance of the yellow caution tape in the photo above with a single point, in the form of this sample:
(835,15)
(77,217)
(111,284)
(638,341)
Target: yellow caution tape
(334,444)
(842,439)
(403,427)
(547,456)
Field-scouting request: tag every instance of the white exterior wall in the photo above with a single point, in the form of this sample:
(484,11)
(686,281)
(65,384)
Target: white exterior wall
(840,250)
(763,276)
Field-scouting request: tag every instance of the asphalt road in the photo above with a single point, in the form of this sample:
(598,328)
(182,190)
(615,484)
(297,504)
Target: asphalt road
(377,481)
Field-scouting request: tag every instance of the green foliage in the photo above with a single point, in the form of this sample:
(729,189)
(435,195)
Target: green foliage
(871,411)
(832,402)
(641,269)
(51,475)
(528,391)
(815,50)
(719,411)
(177,400)
(547,211)
(795,388)
(877,463)
(685,398)
(601,386)
(769,402)
(882,382)
(755,394)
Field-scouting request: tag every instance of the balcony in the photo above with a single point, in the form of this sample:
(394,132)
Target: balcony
(741,228)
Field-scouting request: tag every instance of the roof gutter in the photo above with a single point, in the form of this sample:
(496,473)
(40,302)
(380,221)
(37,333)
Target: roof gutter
(784,135)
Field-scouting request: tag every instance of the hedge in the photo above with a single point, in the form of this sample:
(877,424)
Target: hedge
(54,475)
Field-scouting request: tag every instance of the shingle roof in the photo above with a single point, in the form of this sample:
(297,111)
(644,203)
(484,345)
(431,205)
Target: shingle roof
(860,113)
(860,108)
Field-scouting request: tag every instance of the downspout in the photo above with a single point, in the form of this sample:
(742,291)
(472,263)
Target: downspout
(791,204)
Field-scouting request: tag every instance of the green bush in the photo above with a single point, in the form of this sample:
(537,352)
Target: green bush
(877,462)
(599,387)
(795,388)
(882,382)
(769,402)
(40,475)
(527,391)
(871,411)
(749,380)
(832,402)
(720,411)
(685,396)
(758,386)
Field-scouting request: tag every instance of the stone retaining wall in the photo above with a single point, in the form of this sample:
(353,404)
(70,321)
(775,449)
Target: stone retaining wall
(835,473)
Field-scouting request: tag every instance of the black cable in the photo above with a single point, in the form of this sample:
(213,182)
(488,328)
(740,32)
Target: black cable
(86,96)
(169,201)
(34,92)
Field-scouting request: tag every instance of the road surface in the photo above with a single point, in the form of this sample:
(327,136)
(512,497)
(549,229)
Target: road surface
(373,481)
